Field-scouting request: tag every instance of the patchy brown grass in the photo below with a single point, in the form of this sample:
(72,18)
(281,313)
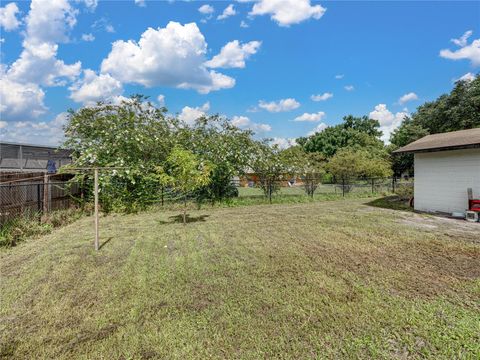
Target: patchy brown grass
(338,279)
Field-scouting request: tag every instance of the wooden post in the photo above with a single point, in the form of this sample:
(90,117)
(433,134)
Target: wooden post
(343,187)
(45,194)
(372,185)
(96,207)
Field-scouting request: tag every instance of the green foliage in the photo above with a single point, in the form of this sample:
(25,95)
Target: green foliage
(408,132)
(184,172)
(134,136)
(354,132)
(348,164)
(310,167)
(269,165)
(450,112)
(216,140)
(219,188)
(21,228)
(137,138)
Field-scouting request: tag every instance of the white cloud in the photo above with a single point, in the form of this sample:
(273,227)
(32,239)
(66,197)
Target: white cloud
(20,101)
(90,4)
(206,9)
(171,56)
(244,122)
(462,41)
(3,124)
(279,106)
(283,143)
(43,133)
(339,76)
(140,3)
(93,88)
(47,24)
(8,17)
(227,12)
(388,121)
(466,52)
(103,24)
(317,129)
(234,54)
(407,97)
(88,37)
(288,12)
(349,87)
(161,100)
(243,24)
(467,77)
(312,117)
(190,114)
(322,97)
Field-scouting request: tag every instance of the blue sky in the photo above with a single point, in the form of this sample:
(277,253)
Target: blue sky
(363,57)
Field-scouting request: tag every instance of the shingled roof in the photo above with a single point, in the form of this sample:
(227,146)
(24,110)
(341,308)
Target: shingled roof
(462,139)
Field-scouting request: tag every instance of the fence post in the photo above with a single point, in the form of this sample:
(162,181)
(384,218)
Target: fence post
(393,184)
(373,185)
(343,187)
(45,193)
(96,207)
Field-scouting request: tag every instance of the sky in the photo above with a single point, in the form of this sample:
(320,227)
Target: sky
(283,68)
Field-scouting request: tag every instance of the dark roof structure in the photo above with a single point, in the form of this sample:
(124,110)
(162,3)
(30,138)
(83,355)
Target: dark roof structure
(462,139)
(31,158)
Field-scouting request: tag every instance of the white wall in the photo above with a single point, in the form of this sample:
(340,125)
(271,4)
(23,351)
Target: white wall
(442,179)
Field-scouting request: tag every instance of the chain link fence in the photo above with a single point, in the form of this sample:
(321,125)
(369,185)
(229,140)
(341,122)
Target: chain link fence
(253,186)
(33,195)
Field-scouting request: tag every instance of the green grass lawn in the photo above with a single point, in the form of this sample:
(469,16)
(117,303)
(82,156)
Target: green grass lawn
(333,279)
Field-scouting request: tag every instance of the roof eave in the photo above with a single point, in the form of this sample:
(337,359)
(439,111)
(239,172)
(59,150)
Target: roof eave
(435,149)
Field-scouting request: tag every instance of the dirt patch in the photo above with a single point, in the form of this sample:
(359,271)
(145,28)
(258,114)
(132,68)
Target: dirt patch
(456,229)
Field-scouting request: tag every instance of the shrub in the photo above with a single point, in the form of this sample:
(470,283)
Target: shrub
(404,191)
(19,229)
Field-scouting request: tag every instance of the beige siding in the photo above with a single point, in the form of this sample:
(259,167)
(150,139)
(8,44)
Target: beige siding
(442,179)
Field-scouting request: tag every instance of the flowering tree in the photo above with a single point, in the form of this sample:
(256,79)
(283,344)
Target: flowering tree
(134,136)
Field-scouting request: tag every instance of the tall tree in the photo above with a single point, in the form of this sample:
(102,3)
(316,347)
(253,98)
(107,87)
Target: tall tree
(354,132)
(133,135)
(458,110)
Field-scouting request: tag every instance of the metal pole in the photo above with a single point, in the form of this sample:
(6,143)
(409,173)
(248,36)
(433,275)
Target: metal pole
(96,207)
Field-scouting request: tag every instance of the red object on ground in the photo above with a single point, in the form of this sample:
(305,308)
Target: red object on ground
(474,205)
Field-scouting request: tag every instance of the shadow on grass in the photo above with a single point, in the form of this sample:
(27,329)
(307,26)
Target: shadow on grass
(179,219)
(105,243)
(392,202)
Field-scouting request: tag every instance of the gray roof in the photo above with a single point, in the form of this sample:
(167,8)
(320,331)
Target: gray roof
(462,139)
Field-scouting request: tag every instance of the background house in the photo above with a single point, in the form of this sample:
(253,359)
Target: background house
(446,165)
(15,157)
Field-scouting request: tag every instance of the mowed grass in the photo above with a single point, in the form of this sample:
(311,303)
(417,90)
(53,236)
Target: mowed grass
(337,279)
